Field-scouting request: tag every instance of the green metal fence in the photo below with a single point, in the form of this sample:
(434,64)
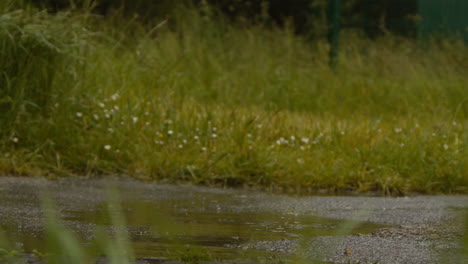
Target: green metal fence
(444,17)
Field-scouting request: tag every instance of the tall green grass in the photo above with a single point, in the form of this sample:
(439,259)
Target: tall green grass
(195,98)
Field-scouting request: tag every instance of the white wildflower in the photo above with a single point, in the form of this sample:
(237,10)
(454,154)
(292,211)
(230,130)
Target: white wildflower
(134,119)
(79,114)
(446,147)
(170,132)
(107,147)
(115,96)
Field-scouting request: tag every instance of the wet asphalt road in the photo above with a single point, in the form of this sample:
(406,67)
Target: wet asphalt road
(419,229)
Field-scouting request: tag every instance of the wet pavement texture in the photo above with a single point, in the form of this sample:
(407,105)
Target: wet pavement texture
(240,226)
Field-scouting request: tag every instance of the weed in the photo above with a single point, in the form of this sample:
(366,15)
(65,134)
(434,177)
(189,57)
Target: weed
(200,100)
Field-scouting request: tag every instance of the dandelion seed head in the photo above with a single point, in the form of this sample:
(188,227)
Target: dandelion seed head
(170,132)
(214,136)
(196,138)
(107,147)
(96,117)
(134,119)
(398,130)
(300,161)
(15,140)
(101,105)
(203,149)
(342,133)
(79,114)
(446,147)
(305,140)
(180,146)
(147,123)
(184,141)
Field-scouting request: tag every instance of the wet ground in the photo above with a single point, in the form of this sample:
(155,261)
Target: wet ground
(171,222)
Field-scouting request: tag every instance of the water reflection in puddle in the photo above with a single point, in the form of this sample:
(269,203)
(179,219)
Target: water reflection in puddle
(162,226)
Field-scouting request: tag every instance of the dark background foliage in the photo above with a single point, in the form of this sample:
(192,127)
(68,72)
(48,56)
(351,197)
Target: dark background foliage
(375,17)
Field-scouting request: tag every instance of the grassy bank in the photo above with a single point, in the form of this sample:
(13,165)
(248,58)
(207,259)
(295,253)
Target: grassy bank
(196,99)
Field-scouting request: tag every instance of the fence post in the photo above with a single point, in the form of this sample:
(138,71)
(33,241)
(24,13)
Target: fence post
(334,17)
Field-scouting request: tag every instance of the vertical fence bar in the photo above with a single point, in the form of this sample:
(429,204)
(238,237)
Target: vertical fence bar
(334,17)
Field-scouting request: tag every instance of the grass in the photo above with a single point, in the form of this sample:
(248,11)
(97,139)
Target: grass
(198,99)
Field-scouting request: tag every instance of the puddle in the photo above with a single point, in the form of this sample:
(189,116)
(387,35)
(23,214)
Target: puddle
(208,222)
